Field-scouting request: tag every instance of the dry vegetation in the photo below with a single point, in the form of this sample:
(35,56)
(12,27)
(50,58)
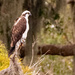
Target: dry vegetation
(46,65)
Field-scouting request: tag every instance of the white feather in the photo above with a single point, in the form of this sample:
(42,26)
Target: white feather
(25,12)
(24,36)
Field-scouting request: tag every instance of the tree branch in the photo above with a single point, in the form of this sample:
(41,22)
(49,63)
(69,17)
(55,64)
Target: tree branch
(13,69)
(70,1)
(67,50)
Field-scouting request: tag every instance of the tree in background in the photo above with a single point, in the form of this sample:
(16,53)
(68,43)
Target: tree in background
(72,4)
(36,8)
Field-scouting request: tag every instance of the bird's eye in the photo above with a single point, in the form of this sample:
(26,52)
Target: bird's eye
(27,13)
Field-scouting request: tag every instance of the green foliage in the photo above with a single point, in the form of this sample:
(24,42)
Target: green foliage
(55,31)
(56,16)
(53,36)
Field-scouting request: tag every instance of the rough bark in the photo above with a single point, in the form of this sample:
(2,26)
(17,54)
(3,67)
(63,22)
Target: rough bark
(67,50)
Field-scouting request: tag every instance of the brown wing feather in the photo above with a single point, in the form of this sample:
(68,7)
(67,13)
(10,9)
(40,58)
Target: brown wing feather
(17,31)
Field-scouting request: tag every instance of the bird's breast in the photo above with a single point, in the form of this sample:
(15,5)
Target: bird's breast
(24,36)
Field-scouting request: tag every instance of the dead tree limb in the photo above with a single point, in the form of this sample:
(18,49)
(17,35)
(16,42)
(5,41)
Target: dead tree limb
(67,50)
(70,1)
(13,69)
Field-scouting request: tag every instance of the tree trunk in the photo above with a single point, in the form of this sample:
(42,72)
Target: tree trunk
(73,11)
(72,3)
(35,6)
(67,50)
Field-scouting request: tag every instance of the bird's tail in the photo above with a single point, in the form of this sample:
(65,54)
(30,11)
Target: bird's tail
(11,51)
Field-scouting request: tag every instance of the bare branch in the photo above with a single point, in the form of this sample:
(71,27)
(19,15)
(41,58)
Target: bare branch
(70,1)
(67,50)
(67,39)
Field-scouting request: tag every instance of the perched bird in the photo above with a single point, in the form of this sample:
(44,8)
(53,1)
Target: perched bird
(19,31)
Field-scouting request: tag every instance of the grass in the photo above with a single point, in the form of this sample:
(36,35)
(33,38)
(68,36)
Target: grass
(55,65)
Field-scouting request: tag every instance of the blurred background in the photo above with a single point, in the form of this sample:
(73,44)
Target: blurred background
(52,22)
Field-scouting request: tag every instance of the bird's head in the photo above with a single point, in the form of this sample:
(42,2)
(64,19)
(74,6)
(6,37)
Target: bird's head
(26,13)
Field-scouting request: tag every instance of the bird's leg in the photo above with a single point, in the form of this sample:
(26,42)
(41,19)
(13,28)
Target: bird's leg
(20,42)
(19,45)
(23,40)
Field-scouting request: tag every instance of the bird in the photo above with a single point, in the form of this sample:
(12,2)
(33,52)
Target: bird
(19,31)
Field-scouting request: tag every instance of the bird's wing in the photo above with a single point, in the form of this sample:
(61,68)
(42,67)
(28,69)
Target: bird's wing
(16,20)
(17,30)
